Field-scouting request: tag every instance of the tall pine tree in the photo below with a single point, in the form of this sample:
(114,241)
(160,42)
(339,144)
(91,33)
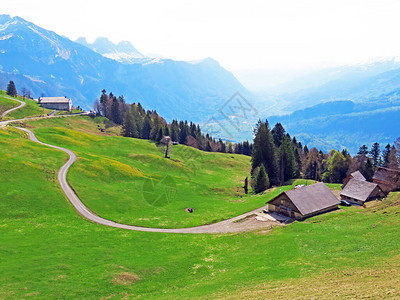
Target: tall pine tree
(375,154)
(262,181)
(146,129)
(11,89)
(264,152)
(286,160)
(129,127)
(369,170)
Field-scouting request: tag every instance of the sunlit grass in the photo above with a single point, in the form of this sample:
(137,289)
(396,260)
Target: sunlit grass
(48,251)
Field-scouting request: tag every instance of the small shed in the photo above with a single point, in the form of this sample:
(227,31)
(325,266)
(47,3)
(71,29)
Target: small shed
(304,202)
(387,179)
(360,191)
(58,103)
(355,175)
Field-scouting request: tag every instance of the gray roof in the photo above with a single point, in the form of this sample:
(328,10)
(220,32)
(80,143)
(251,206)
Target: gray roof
(312,198)
(358,175)
(387,175)
(54,100)
(358,189)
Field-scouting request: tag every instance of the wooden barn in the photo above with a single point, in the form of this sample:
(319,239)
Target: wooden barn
(58,103)
(387,179)
(304,202)
(360,191)
(355,175)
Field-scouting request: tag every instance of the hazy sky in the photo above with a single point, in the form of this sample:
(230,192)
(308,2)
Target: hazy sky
(241,35)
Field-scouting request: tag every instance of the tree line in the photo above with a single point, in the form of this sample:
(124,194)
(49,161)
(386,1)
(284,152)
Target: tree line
(277,158)
(138,123)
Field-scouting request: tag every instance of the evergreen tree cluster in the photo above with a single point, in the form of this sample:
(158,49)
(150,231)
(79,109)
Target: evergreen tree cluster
(366,161)
(284,158)
(138,123)
(276,152)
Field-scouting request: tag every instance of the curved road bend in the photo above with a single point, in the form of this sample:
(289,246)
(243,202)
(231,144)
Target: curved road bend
(220,227)
(10,110)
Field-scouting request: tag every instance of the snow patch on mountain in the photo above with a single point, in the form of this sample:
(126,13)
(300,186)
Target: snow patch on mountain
(123,52)
(5,26)
(123,57)
(6,37)
(34,78)
(61,51)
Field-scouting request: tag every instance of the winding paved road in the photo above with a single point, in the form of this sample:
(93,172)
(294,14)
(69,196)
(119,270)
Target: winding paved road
(225,226)
(10,110)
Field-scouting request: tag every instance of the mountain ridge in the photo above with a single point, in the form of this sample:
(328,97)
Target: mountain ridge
(123,52)
(49,64)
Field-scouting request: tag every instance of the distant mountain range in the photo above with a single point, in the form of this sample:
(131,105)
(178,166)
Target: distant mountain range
(51,65)
(346,108)
(342,107)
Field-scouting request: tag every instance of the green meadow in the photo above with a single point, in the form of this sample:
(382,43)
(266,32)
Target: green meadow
(31,108)
(48,251)
(6,104)
(129,180)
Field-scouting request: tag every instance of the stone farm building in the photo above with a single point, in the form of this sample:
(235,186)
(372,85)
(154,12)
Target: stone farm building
(388,179)
(304,202)
(360,191)
(58,103)
(356,175)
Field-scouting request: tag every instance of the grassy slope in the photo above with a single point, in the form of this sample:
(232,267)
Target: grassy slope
(6,104)
(111,172)
(48,251)
(31,109)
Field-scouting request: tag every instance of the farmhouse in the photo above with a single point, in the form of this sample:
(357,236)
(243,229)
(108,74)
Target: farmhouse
(355,175)
(359,191)
(387,179)
(304,202)
(59,103)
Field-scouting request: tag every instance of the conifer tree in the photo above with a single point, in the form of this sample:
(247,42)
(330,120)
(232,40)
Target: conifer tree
(222,146)
(369,170)
(286,160)
(104,103)
(146,129)
(385,155)
(155,129)
(264,152)
(375,154)
(208,146)
(278,132)
(305,150)
(174,131)
(262,181)
(363,150)
(115,112)
(11,89)
(183,132)
(129,128)
(159,135)
(299,166)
